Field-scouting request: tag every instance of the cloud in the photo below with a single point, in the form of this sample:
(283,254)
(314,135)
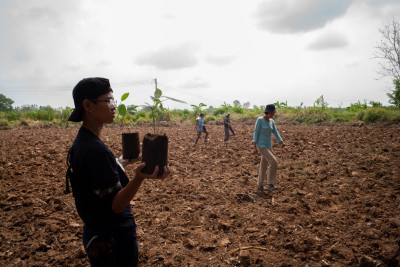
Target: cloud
(168,16)
(220,60)
(32,24)
(289,16)
(380,8)
(171,57)
(329,40)
(194,84)
(383,2)
(34,34)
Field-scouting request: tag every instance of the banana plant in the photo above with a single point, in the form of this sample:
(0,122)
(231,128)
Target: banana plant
(197,109)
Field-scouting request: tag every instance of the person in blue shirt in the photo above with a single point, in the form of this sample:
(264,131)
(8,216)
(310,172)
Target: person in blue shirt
(101,189)
(265,126)
(200,128)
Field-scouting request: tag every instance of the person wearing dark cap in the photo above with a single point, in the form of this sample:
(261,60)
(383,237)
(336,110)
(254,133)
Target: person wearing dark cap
(101,189)
(200,128)
(265,126)
(227,127)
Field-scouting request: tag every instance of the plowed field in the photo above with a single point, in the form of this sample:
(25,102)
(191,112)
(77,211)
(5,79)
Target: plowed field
(337,203)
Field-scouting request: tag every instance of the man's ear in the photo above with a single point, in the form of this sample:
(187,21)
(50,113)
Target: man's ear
(87,105)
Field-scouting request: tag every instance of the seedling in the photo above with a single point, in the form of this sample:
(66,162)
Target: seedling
(122,110)
(155,147)
(156,107)
(130,141)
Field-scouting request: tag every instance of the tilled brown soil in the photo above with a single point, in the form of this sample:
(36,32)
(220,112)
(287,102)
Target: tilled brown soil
(337,203)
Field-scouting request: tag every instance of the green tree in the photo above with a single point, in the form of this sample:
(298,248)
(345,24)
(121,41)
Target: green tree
(394,97)
(5,103)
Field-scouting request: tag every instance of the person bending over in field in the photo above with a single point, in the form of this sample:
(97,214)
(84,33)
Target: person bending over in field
(199,127)
(101,189)
(262,142)
(227,127)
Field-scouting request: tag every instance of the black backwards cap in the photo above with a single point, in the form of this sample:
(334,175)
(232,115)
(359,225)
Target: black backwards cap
(88,88)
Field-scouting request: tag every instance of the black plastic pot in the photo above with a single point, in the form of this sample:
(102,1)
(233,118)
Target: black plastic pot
(130,145)
(154,152)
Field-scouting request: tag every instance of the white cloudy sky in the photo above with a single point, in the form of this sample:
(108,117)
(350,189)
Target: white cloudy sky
(210,51)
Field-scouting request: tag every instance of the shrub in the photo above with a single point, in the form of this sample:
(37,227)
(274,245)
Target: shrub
(140,121)
(344,116)
(211,118)
(356,107)
(371,115)
(248,117)
(24,122)
(184,112)
(375,104)
(65,113)
(12,116)
(4,122)
(237,109)
(220,111)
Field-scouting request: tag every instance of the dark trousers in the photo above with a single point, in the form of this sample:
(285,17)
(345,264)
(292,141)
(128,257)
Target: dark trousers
(106,250)
(227,128)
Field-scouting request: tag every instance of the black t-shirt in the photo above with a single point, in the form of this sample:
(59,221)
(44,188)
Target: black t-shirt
(97,178)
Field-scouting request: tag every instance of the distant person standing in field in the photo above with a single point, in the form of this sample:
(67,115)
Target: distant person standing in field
(101,189)
(200,128)
(265,126)
(227,127)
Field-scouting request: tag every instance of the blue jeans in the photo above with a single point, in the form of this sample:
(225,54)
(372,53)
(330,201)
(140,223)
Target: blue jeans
(123,248)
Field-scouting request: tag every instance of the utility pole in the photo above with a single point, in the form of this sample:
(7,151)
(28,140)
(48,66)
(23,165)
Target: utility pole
(155,81)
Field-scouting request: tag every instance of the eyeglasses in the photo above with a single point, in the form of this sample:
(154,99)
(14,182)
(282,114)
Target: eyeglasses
(111,101)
